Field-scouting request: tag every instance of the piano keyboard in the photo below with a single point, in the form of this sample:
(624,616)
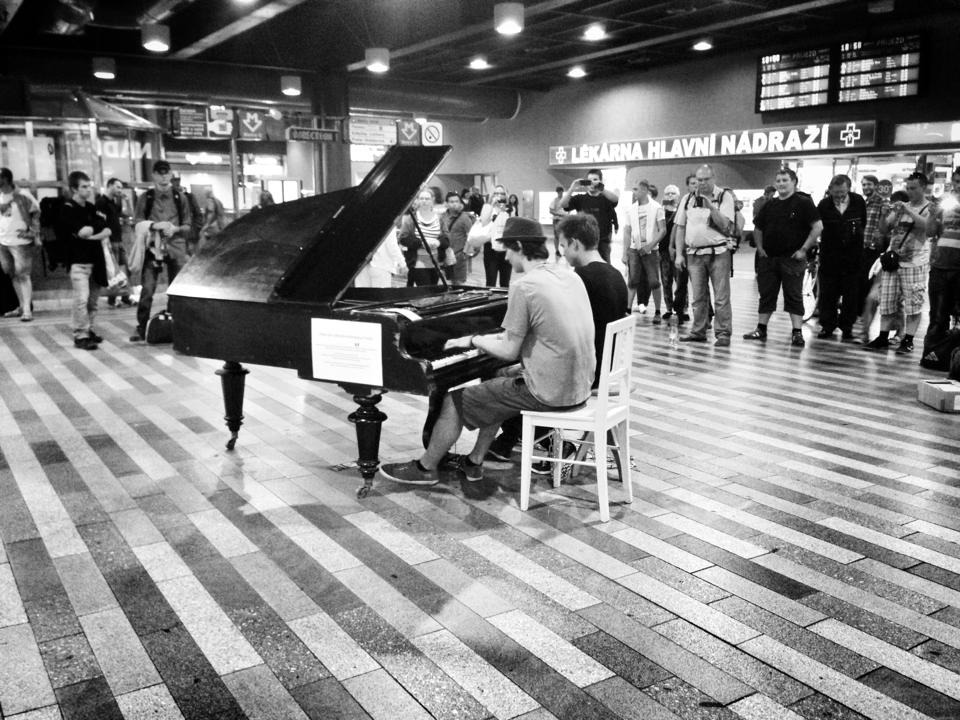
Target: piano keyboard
(455,358)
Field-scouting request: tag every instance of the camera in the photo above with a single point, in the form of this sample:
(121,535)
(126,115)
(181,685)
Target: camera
(584,181)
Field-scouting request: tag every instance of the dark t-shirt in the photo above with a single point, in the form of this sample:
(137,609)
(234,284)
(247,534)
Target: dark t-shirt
(73,217)
(842,237)
(608,301)
(785,224)
(600,207)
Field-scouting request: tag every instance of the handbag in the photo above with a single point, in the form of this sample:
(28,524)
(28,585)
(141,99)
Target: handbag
(449,258)
(890,261)
(160,328)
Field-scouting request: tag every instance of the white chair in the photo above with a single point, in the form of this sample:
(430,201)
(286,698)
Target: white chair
(608,410)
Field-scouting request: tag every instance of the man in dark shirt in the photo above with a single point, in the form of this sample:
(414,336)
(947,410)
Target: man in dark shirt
(456,223)
(596,201)
(86,228)
(787,227)
(607,291)
(844,216)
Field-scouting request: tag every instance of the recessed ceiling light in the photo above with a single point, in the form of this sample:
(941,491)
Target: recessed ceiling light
(595,32)
(377,59)
(104,68)
(479,63)
(703,45)
(155,37)
(576,71)
(508,18)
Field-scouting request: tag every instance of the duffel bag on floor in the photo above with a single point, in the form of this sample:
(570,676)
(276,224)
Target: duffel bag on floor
(160,328)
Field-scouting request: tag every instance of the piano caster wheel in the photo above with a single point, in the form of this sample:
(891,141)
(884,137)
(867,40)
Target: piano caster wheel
(232,442)
(363,491)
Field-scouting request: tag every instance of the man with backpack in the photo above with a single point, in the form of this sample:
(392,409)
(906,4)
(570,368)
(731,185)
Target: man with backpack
(703,224)
(168,213)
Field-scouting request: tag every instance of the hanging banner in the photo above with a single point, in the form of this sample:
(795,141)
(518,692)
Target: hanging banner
(783,140)
(219,121)
(190,122)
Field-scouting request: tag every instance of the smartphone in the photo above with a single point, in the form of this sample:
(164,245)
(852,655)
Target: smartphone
(583,181)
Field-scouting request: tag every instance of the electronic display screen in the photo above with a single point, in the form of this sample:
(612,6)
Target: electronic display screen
(791,80)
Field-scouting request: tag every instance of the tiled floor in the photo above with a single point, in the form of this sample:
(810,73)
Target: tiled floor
(793,550)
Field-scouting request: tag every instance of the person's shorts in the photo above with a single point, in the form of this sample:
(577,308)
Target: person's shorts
(17,258)
(908,284)
(493,401)
(640,267)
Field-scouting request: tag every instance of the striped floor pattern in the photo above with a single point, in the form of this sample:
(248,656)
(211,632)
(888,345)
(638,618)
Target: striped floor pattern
(793,549)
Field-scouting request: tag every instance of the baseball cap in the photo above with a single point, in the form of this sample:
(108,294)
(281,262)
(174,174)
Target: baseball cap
(161,166)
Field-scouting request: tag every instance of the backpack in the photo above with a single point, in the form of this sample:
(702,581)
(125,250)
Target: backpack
(177,200)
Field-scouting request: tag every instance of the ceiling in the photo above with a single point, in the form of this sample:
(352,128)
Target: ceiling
(434,40)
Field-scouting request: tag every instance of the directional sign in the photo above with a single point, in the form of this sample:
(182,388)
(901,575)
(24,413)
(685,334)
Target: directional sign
(307,134)
(373,131)
(432,133)
(408,132)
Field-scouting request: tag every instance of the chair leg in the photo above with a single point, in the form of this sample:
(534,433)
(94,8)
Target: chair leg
(600,461)
(585,442)
(626,476)
(526,459)
(557,452)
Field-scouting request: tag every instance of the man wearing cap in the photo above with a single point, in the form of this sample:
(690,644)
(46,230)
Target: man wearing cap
(549,328)
(168,213)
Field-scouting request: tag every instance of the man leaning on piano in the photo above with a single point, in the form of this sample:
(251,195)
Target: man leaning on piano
(549,328)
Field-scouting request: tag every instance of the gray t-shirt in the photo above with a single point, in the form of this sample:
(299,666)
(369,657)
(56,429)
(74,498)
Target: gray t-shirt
(549,309)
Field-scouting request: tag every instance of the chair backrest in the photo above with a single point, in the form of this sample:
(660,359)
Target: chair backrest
(615,371)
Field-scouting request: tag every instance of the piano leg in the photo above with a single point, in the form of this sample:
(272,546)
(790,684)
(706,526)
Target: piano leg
(368,418)
(232,381)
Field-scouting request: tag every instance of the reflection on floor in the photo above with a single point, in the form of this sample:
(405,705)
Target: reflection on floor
(793,550)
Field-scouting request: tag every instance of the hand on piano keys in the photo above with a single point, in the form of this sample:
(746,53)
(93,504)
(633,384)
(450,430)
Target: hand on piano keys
(460,343)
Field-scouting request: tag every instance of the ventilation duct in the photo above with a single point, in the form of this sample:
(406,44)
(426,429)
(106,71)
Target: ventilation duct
(71,17)
(433,100)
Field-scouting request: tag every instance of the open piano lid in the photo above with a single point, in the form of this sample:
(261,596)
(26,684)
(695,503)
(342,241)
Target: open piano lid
(308,250)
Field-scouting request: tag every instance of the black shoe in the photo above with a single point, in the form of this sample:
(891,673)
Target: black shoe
(96,338)
(906,345)
(126,301)
(682,318)
(85,344)
(881,342)
(824,334)
(756,334)
(796,339)
(693,338)
(656,319)
(111,302)
(409,473)
(667,315)
(846,335)
(545,467)
(498,453)
(136,337)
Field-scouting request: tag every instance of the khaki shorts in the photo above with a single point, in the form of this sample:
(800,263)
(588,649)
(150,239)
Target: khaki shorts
(493,401)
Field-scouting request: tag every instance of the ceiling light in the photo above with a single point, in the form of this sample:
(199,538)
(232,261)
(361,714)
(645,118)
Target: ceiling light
(104,68)
(577,71)
(290,85)
(595,32)
(703,45)
(155,38)
(479,63)
(508,18)
(377,59)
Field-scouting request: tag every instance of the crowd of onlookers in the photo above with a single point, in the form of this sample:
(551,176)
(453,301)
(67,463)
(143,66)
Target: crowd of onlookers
(876,251)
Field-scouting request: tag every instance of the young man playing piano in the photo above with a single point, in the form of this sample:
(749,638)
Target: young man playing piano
(549,328)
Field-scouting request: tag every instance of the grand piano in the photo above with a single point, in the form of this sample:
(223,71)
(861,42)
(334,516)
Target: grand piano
(275,288)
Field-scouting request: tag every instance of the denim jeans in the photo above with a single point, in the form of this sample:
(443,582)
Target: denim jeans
(706,270)
(86,293)
(151,273)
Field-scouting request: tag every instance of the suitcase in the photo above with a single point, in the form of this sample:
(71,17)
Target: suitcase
(160,328)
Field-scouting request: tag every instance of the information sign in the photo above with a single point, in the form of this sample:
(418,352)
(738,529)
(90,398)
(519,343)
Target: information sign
(880,69)
(190,122)
(792,80)
(307,134)
(372,131)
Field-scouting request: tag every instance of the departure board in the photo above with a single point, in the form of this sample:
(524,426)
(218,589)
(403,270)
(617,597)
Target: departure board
(793,80)
(880,69)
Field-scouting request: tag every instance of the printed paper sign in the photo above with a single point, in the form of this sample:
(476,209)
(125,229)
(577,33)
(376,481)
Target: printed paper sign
(346,351)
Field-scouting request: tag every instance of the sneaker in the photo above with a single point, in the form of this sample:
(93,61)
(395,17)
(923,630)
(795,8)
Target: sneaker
(756,334)
(126,301)
(667,315)
(545,467)
(136,337)
(722,341)
(846,335)
(84,344)
(682,318)
(693,338)
(409,473)
(471,472)
(450,461)
(880,342)
(656,319)
(906,345)
(797,340)
(96,338)
(111,302)
(824,334)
